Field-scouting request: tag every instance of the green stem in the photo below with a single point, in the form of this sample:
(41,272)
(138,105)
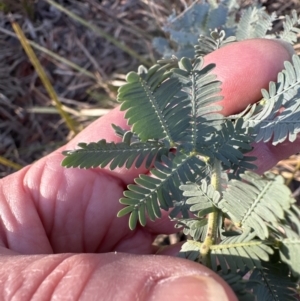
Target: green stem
(212,223)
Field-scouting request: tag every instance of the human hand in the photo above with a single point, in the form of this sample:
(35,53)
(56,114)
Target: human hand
(58,225)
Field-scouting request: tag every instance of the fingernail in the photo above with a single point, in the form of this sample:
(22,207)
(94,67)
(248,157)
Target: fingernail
(287,46)
(188,288)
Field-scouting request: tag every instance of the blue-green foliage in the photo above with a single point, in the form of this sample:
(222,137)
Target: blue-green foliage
(197,159)
(185,29)
(203,17)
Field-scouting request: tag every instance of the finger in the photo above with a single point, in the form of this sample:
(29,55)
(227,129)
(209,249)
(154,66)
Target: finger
(108,277)
(44,211)
(244,68)
(268,155)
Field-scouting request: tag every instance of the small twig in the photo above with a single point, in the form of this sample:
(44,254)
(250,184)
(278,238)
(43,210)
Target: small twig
(210,237)
(40,71)
(9,163)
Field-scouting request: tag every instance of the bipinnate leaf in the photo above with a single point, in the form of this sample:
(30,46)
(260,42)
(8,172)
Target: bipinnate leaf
(152,106)
(254,23)
(197,19)
(208,44)
(274,283)
(238,252)
(278,116)
(150,194)
(190,250)
(201,90)
(200,197)
(229,145)
(290,31)
(195,227)
(293,218)
(289,250)
(238,285)
(102,153)
(256,202)
(183,31)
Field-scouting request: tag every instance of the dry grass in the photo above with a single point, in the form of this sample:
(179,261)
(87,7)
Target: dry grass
(30,126)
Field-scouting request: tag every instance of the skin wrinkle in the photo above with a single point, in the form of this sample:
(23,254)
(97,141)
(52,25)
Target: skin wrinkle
(4,240)
(109,223)
(62,239)
(56,220)
(91,193)
(80,284)
(45,281)
(14,282)
(37,284)
(25,231)
(87,194)
(49,285)
(36,195)
(9,217)
(36,191)
(41,202)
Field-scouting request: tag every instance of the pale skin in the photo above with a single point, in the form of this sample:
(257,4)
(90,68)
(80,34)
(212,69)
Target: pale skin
(59,234)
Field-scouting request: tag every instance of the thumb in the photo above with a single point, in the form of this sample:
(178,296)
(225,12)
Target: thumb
(111,276)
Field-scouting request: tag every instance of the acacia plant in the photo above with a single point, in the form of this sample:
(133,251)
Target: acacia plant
(238,222)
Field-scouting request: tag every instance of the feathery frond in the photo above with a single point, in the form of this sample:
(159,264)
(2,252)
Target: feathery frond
(290,31)
(198,19)
(190,250)
(200,197)
(289,250)
(152,107)
(228,144)
(254,23)
(238,285)
(201,90)
(256,202)
(239,252)
(195,227)
(102,153)
(293,218)
(272,123)
(161,190)
(216,40)
(275,283)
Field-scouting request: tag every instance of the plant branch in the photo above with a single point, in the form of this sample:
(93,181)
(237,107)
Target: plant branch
(212,223)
